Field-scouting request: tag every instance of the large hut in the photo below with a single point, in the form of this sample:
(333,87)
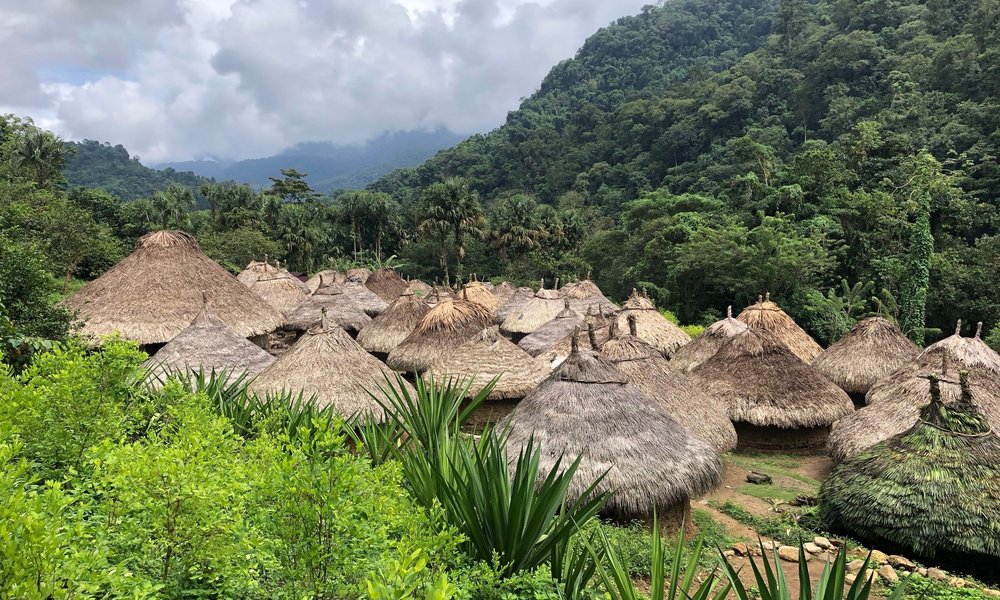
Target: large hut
(444,328)
(705,346)
(207,345)
(386,284)
(358,275)
(389,329)
(654,328)
(369,301)
(534,313)
(281,290)
(701,413)
(329,367)
(556,330)
(155,293)
(324,277)
(932,490)
(475,291)
(894,401)
(766,314)
(587,408)
(776,401)
(513,304)
(584,295)
(874,348)
(338,307)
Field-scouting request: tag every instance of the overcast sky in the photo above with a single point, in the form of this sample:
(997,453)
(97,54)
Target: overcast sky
(181,79)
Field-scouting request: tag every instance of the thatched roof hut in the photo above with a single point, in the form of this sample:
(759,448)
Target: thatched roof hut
(587,408)
(874,348)
(443,329)
(282,291)
(390,328)
(329,366)
(705,346)
(703,414)
(387,284)
(933,489)
(654,328)
(894,401)
(254,271)
(369,301)
(475,291)
(775,399)
(533,314)
(504,291)
(768,315)
(155,293)
(208,344)
(358,275)
(419,288)
(338,307)
(556,330)
(513,303)
(324,277)
(585,294)
(487,355)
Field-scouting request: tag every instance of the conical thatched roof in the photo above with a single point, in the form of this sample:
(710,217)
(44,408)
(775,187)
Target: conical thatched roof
(419,288)
(324,278)
(598,331)
(390,328)
(703,347)
(534,313)
(585,294)
(486,355)
(359,274)
(254,271)
(586,407)
(764,384)
(339,307)
(874,348)
(155,293)
(556,330)
(894,401)
(934,488)
(768,315)
(654,328)
(387,284)
(444,328)
(646,369)
(327,364)
(284,292)
(208,344)
(477,292)
(366,299)
(504,291)
(514,303)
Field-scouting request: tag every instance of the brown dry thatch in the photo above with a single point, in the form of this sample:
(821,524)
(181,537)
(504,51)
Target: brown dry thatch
(654,328)
(765,314)
(646,369)
(208,344)
(390,328)
(534,313)
(764,384)
(155,293)
(284,292)
(874,348)
(419,288)
(556,330)
(366,299)
(586,408)
(444,328)
(487,355)
(324,278)
(584,295)
(477,292)
(705,346)
(329,366)
(358,274)
(598,331)
(387,284)
(339,308)
(504,291)
(514,303)
(254,271)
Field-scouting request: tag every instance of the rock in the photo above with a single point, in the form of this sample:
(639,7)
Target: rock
(789,553)
(850,578)
(937,574)
(901,562)
(878,557)
(888,573)
(921,571)
(812,548)
(855,565)
(956,582)
(740,549)
(823,543)
(729,553)
(771,545)
(758,478)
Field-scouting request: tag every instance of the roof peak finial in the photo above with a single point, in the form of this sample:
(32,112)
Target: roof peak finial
(566,303)
(541,284)
(958,327)
(633,326)
(325,321)
(729,311)
(592,336)
(760,299)
(767,296)
(556,284)
(979,329)
(574,342)
(204,299)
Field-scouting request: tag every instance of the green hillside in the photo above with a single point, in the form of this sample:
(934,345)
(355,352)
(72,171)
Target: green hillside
(111,168)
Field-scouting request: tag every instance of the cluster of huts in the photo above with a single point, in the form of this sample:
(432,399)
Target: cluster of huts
(646,406)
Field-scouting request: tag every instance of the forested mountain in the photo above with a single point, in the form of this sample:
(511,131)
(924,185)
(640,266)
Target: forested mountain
(831,152)
(111,168)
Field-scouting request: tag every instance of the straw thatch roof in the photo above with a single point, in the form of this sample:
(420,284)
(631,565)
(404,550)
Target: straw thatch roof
(874,348)
(487,355)
(366,299)
(390,328)
(419,288)
(475,291)
(282,291)
(701,413)
(934,488)
(556,330)
(598,331)
(504,291)
(534,313)
(155,293)
(585,294)
(328,365)
(654,328)
(254,271)
(703,347)
(387,284)
(893,402)
(764,384)
(768,315)
(513,303)
(208,344)
(586,408)
(444,328)
(359,274)
(325,277)
(339,308)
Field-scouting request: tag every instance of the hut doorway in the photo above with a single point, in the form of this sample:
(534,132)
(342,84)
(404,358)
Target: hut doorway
(805,440)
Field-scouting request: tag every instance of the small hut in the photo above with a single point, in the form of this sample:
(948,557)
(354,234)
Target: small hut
(933,489)
(332,369)
(325,277)
(705,346)
(358,275)
(369,301)
(644,366)
(208,345)
(556,330)
(156,292)
(768,315)
(386,284)
(389,329)
(587,408)
(443,329)
(533,314)
(281,290)
(475,291)
(654,328)
(874,348)
(776,401)
(513,304)
(338,307)
(585,294)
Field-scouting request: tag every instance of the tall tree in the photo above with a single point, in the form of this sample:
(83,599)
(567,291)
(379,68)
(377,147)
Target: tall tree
(516,229)
(292,186)
(450,205)
(42,155)
(172,207)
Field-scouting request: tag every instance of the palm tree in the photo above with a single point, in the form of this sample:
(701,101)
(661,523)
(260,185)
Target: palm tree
(172,206)
(451,206)
(516,229)
(41,153)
